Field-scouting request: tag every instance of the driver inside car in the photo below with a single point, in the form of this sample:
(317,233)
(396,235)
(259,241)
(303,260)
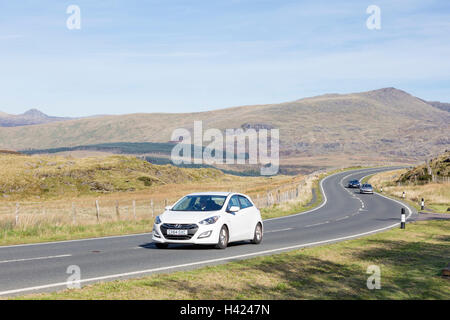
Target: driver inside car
(208,205)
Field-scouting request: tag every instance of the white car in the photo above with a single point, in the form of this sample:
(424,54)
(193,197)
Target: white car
(212,218)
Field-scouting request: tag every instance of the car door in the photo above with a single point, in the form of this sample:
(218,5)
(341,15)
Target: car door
(235,220)
(248,218)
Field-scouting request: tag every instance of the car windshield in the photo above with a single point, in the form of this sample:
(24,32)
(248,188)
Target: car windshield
(367,186)
(200,203)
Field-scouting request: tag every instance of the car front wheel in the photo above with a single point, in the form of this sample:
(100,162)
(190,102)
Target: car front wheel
(257,238)
(223,238)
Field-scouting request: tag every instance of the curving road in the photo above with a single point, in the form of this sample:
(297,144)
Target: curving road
(344,214)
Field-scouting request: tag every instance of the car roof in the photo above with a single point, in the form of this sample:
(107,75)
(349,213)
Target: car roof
(214,193)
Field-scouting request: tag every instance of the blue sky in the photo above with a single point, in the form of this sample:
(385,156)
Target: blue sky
(186,56)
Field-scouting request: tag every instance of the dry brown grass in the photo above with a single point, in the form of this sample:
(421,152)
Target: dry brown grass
(436,195)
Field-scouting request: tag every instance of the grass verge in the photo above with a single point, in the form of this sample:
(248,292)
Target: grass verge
(49,233)
(410,261)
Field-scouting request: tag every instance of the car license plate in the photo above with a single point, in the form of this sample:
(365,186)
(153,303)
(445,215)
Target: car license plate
(177,232)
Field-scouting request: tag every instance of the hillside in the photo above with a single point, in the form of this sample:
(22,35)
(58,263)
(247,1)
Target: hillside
(380,124)
(437,168)
(30,117)
(440,105)
(25,176)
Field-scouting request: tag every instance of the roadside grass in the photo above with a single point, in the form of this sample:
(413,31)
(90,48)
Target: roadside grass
(48,233)
(410,261)
(306,201)
(436,195)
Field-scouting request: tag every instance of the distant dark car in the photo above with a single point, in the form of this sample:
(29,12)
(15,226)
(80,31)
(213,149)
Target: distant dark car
(366,188)
(354,184)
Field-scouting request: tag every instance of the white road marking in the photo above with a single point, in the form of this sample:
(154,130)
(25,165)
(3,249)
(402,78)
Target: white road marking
(37,258)
(343,218)
(286,229)
(316,224)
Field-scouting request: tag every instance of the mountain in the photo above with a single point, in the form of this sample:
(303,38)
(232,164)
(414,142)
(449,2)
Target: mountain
(440,105)
(31,117)
(381,124)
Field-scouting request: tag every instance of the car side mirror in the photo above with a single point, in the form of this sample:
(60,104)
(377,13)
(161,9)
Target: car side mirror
(234,209)
(168,208)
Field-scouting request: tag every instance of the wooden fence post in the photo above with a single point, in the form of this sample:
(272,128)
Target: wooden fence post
(74,213)
(117,210)
(152,208)
(97,206)
(17,213)
(134,209)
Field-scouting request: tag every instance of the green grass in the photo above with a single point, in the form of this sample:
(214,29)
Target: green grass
(410,261)
(48,233)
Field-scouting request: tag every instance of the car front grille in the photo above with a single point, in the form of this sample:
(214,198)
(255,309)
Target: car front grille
(191,228)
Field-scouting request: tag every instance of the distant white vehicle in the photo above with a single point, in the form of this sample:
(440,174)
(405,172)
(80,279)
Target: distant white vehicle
(210,218)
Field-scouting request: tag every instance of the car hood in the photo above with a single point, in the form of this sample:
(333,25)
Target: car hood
(186,216)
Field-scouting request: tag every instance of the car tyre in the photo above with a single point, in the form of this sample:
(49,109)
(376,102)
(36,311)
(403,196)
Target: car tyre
(161,245)
(223,238)
(257,238)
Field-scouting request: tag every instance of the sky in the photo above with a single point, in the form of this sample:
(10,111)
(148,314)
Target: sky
(134,56)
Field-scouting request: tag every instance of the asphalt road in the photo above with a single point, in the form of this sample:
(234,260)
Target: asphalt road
(343,215)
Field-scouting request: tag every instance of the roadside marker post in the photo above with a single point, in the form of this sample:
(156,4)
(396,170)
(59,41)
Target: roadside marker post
(403,195)
(422,205)
(403,221)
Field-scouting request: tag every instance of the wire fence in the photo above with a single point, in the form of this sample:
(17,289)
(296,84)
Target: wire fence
(26,214)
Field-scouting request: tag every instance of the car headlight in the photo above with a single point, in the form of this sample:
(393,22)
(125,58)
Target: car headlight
(157,220)
(210,220)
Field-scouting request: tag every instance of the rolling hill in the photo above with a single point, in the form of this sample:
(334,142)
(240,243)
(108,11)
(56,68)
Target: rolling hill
(382,124)
(53,177)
